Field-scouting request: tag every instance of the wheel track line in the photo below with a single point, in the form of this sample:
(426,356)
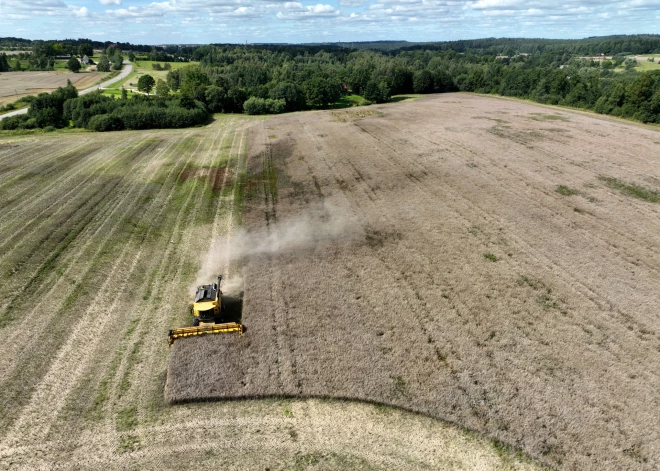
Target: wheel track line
(548,264)
(91,161)
(99,207)
(95,177)
(541,191)
(113,398)
(138,334)
(54,202)
(593,291)
(60,380)
(557,270)
(373,201)
(152,356)
(414,299)
(17,174)
(15,336)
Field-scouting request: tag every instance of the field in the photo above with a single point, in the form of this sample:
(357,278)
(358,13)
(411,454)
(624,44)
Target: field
(488,262)
(14,85)
(103,237)
(142,67)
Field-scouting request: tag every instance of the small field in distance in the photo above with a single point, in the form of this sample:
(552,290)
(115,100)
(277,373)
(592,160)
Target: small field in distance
(485,261)
(14,85)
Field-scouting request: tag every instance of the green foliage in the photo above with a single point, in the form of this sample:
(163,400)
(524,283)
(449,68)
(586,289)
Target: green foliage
(162,90)
(566,191)
(4,63)
(377,92)
(47,109)
(321,92)
(73,64)
(632,189)
(490,257)
(255,105)
(146,83)
(85,49)
(103,64)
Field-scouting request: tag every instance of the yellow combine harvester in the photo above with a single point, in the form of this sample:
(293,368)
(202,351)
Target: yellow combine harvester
(208,315)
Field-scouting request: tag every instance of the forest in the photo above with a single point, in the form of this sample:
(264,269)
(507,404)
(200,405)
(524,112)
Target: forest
(594,74)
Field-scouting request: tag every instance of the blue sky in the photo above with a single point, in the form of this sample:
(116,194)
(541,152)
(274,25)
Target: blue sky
(237,21)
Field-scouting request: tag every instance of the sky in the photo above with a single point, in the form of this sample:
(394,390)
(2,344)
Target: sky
(279,21)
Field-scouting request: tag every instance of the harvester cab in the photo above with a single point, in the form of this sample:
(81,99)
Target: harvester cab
(208,303)
(208,313)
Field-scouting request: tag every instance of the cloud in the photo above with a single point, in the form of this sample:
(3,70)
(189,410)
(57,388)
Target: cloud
(81,12)
(296,11)
(152,10)
(110,2)
(352,3)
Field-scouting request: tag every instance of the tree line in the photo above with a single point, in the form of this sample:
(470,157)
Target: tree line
(276,78)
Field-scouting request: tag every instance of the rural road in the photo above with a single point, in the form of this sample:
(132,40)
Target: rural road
(124,73)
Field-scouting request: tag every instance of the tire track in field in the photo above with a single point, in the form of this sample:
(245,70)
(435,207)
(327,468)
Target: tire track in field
(25,185)
(12,218)
(138,335)
(595,292)
(375,203)
(81,215)
(154,337)
(143,315)
(94,158)
(14,340)
(53,390)
(447,365)
(611,321)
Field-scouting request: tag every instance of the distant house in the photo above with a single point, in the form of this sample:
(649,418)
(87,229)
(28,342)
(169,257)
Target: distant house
(85,60)
(64,56)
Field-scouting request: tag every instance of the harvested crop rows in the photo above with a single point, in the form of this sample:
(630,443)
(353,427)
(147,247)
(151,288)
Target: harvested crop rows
(488,262)
(14,85)
(102,237)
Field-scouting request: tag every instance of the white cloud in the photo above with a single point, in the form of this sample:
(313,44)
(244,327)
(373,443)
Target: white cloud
(352,3)
(296,11)
(81,12)
(110,2)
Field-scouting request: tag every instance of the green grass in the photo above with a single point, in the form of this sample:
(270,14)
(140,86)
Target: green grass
(350,100)
(490,257)
(142,67)
(120,83)
(632,189)
(643,65)
(566,191)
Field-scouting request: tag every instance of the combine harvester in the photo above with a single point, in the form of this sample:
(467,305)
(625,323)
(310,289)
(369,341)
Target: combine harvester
(209,315)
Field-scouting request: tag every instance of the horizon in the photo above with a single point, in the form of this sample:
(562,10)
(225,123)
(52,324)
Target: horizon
(346,21)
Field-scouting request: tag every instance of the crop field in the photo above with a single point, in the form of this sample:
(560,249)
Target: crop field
(102,238)
(14,85)
(488,262)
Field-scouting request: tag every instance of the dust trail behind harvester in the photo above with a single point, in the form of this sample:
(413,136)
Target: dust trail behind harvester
(323,223)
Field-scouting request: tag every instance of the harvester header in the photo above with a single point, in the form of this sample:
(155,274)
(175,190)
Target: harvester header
(209,315)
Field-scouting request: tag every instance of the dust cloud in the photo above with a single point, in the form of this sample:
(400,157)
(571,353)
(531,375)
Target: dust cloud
(316,225)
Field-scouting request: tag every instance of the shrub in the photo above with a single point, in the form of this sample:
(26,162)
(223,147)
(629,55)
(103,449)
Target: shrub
(105,122)
(255,105)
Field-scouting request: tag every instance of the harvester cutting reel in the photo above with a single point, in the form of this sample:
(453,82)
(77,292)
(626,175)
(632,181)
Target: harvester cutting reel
(204,329)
